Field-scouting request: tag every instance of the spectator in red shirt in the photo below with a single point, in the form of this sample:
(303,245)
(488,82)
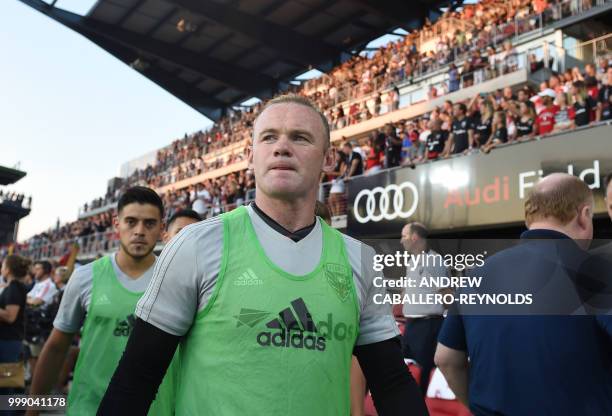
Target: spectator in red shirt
(545,123)
(376,155)
(540,5)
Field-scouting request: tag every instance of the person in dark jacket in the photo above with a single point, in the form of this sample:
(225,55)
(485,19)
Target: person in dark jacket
(535,359)
(12,307)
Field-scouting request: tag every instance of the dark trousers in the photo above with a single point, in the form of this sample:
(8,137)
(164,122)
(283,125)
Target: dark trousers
(419,344)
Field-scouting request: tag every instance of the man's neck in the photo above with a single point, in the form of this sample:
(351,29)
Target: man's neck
(291,215)
(131,266)
(546,225)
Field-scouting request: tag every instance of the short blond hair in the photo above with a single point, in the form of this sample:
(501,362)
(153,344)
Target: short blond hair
(299,100)
(560,201)
(62,271)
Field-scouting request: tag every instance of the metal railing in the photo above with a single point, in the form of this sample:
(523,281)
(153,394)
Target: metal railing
(337,201)
(90,245)
(592,50)
(103,242)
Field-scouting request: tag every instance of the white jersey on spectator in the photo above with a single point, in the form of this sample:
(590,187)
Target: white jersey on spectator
(44,290)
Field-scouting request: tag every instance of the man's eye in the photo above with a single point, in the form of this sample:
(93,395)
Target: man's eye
(267,137)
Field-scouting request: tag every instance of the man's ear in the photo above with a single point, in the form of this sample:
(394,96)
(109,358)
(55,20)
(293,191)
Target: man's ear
(116,222)
(585,216)
(329,159)
(249,151)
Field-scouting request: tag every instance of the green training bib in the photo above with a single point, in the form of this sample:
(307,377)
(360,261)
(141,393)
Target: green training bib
(108,324)
(269,342)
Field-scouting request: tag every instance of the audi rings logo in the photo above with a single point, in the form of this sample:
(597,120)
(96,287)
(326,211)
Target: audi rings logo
(381,208)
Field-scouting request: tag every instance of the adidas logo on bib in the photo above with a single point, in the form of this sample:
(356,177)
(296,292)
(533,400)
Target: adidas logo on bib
(103,300)
(248,278)
(294,328)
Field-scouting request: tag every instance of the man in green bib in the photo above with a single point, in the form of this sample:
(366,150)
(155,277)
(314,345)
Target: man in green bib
(267,301)
(101,297)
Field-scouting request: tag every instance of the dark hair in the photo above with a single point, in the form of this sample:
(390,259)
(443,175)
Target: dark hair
(462,107)
(45,265)
(184,213)
(419,229)
(607,181)
(19,266)
(140,195)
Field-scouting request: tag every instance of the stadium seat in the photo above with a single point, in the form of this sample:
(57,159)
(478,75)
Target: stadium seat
(441,400)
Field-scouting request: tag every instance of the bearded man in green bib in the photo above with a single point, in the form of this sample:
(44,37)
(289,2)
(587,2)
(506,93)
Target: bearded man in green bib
(101,297)
(267,301)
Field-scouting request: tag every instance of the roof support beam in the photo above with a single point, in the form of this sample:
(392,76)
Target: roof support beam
(130,11)
(231,75)
(289,43)
(209,106)
(161,21)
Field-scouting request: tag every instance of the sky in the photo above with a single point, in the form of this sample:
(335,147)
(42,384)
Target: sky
(71,114)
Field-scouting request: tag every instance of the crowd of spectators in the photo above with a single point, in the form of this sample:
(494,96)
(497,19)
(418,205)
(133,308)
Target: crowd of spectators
(565,101)
(473,36)
(15,199)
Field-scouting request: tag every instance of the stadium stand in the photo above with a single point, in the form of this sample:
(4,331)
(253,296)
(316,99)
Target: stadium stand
(493,56)
(13,207)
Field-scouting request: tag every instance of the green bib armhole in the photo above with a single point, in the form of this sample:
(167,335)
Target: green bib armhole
(97,272)
(225,218)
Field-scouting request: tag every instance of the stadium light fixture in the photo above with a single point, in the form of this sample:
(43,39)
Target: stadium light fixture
(139,65)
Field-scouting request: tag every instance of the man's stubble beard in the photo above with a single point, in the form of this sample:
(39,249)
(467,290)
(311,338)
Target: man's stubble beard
(136,257)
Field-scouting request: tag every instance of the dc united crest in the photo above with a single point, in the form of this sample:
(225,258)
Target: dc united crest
(338,278)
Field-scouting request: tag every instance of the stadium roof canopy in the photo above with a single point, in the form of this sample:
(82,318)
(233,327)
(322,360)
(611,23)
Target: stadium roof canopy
(214,54)
(10,175)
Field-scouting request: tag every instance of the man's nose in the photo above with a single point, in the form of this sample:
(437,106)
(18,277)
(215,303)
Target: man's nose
(139,229)
(282,147)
